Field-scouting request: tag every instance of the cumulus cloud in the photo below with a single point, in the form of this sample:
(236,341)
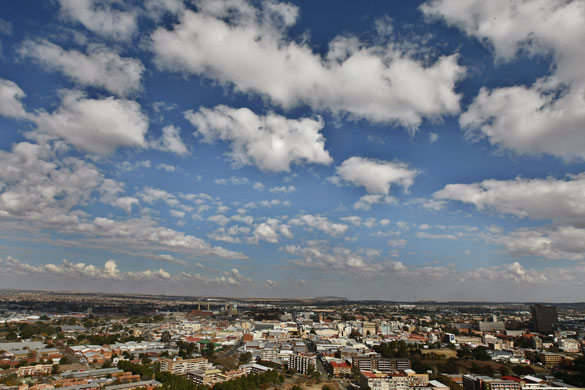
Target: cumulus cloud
(271,142)
(367,201)
(397,242)
(270,231)
(353,219)
(101,67)
(320,223)
(97,126)
(376,176)
(101,18)
(557,200)
(170,141)
(41,191)
(248,47)
(233,181)
(283,189)
(10,100)
(548,116)
(362,265)
(111,272)
(67,269)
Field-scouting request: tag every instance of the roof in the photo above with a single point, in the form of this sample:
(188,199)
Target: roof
(335,364)
(511,378)
(134,384)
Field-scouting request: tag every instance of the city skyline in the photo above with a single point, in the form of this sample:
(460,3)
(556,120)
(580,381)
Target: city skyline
(397,151)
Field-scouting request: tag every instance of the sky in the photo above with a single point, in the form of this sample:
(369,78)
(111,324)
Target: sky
(394,150)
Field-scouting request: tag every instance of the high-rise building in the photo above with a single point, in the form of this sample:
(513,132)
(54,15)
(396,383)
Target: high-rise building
(544,318)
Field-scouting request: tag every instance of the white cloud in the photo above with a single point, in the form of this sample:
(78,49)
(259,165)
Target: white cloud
(455,236)
(433,137)
(270,231)
(67,269)
(101,67)
(258,186)
(551,242)
(271,142)
(234,181)
(546,117)
(247,219)
(376,176)
(219,219)
(283,189)
(514,272)
(151,195)
(552,199)
(370,222)
(397,242)
(367,201)
(265,232)
(98,126)
(39,190)
(101,18)
(247,47)
(353,219)
(166,167)
(111,272)
(5,27)
(559,200)
(320,223)
(363,264)
(177,213)
(10,100)
(170,141)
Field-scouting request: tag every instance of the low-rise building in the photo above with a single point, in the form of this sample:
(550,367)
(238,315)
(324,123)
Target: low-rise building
(180,366)
(302,361)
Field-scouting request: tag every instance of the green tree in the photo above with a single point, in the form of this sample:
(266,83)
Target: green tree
(245,357)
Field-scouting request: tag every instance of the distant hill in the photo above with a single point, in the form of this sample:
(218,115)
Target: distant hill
(330,298)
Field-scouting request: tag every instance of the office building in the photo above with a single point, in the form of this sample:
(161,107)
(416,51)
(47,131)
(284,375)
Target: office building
(544,318)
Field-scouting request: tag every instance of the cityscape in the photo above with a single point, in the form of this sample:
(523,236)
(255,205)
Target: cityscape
(292,195)
(58,340)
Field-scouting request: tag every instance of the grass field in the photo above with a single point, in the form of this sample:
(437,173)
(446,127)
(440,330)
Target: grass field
(448,353)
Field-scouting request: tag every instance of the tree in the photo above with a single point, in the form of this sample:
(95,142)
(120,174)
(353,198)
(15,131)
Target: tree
(523,370)
(245,357)
(355,372)
(11,336)
(64,360)
(165,337)
(355,335)
(480,353)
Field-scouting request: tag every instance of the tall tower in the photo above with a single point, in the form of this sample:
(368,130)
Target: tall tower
(544,318)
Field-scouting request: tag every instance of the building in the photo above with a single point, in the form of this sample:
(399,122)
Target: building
(416,380)
(181,367)
(340,369)
(148,385)
(365,362)
(39,369)
(544,318)
(206,377)
(476,382)
(393,365)
(487,326)
(302,361)
(550,359)
(376,380)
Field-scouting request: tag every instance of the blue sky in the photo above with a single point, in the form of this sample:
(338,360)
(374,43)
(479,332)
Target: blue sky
(387,150)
